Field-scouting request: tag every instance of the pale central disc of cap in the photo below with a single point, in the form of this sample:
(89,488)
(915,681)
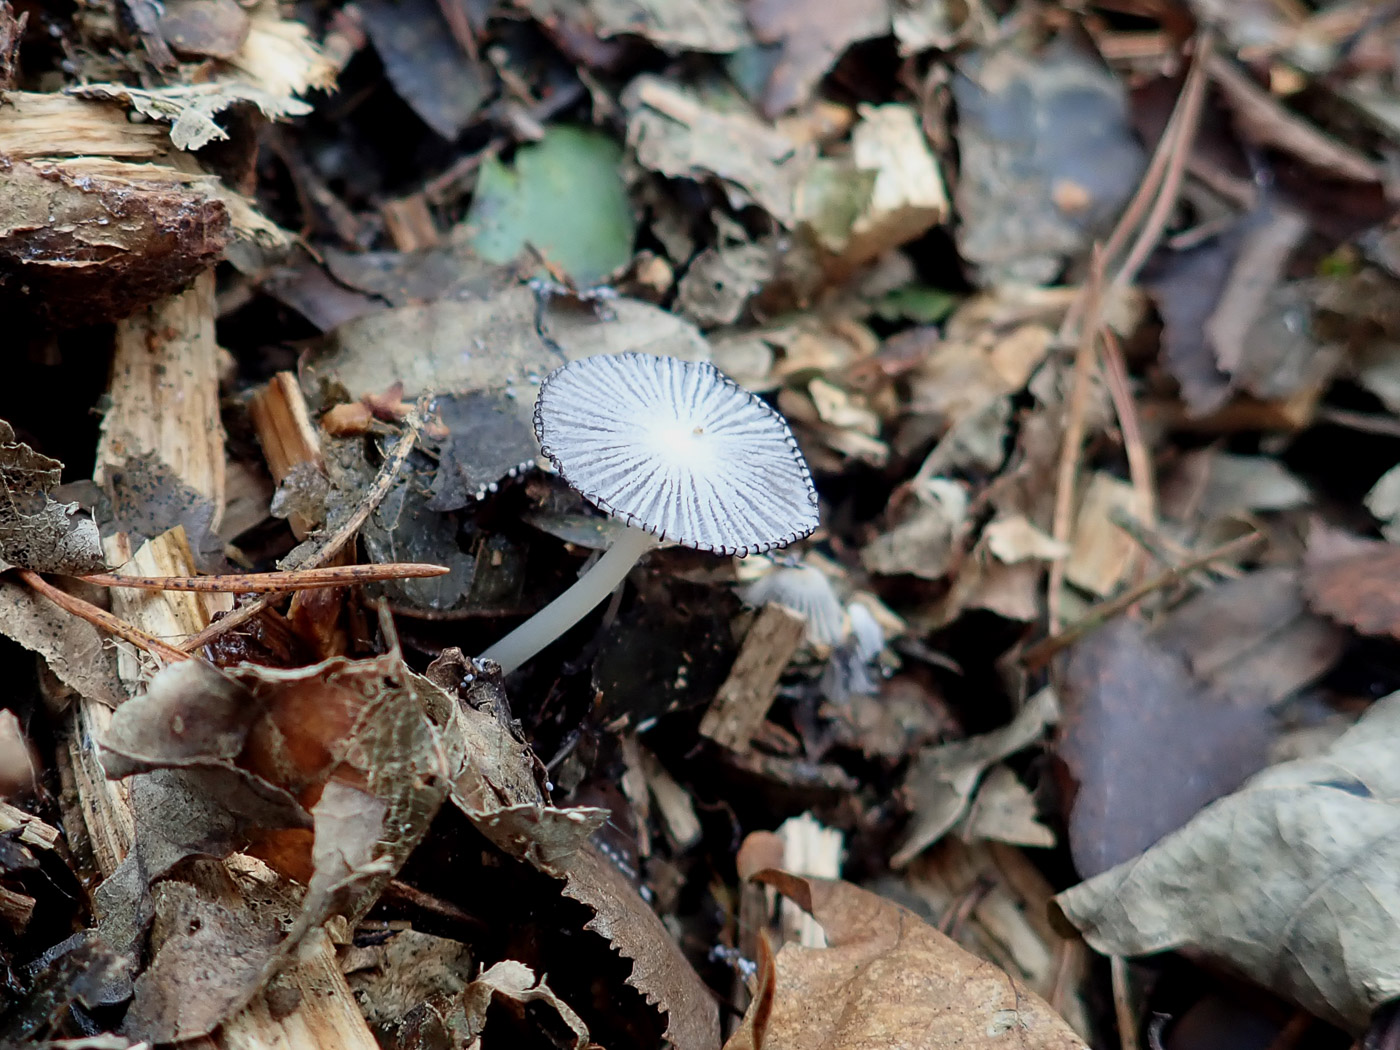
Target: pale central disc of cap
(684,443)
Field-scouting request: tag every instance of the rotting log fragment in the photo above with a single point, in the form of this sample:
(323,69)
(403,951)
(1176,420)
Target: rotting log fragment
(93,239)
(101,216)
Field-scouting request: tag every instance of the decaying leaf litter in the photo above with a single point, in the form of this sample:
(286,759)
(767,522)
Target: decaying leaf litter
(1079,324)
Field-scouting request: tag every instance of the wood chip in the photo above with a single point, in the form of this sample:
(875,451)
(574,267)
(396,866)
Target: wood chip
(35,832)
(15,909)
(288,438)
(674,804)
(743,700)
(1102,554)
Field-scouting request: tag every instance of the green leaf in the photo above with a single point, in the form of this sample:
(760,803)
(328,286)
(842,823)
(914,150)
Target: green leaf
(918,303)
(564,197)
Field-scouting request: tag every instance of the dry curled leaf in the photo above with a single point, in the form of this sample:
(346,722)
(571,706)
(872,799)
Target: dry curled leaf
(942,780)
(36,531)
(1292,880)
(331,773)
(886,979)
(678,133)
(1147,744)
(659,970)
(1261,118)
(498,787)
(516,981)
(810,36)
(212,952)
(76,651)
(1359,587)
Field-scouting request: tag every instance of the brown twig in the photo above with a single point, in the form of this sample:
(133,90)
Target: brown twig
(1134,447)
(383,481)
(1177,141)
(1040,654)
(1365,422)
(102,619)
(1125,408)
(1122,1004)
(275,582)
(1150,190)
(1073,440)
(1147,214)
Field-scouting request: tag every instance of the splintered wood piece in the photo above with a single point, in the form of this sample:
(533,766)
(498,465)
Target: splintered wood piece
(172,617)
(165,392)
(410,223)
(742,702)
(33,831)
(86,240)
(809,848)
(287,435)
(273,582)
(34,124)
(673,803)
(15,909)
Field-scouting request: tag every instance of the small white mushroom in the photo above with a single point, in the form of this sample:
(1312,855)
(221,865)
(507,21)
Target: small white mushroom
(677,451)
(867,636)
(808,592)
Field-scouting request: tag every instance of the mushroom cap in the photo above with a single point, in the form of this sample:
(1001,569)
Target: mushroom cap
(678,449)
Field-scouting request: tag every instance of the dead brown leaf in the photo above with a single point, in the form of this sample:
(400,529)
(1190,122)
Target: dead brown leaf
(1291,880)
(428,69)
(36,531)
(812,35)
(1252,638)
(659,970)
(499,788)
(1359,587)
(1263,256)
(75,651)
(942,780)
(421,347)
(1147,744)
(517,982)
(679,133)
(1260,117)
(212,951)
(369,725)
(886,979)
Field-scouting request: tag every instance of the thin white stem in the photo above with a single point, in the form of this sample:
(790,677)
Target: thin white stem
(574,604)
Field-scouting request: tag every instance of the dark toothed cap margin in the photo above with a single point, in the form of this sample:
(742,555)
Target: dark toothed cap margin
(678,449)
